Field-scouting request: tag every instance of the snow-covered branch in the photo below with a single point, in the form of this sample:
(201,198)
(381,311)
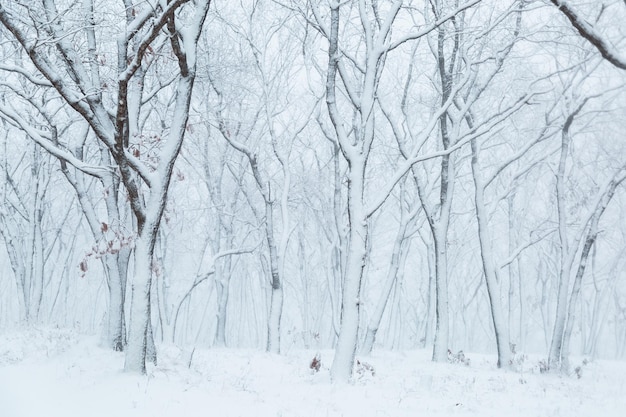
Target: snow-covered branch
(22,71)
(425,31)
(42,139)
(589,32)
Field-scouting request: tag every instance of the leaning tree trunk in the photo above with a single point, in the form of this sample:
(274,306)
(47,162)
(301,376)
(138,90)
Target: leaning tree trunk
(567,253)
(591,234)
(489,266)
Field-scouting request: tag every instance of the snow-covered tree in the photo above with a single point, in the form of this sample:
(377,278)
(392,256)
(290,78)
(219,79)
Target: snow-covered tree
(113,103)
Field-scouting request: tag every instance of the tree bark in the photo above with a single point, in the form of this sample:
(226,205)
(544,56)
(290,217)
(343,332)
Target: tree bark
(490,271)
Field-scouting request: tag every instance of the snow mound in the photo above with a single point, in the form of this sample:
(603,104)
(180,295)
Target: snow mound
(34,343)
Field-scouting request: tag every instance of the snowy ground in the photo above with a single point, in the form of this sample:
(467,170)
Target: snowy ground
(50,373)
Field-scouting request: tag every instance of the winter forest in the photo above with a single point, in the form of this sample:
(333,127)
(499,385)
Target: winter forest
(326,187)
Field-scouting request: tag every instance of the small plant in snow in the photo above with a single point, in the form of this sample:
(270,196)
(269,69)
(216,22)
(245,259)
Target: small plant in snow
(543,367)
(518,361)
(316,363)
(364,369)
(458,358)
(579,372)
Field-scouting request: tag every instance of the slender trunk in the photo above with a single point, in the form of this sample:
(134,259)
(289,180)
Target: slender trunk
(442,321)
(440,228)
(115,264)
(554,358)
(223,283)
(515,283)
(305,305)
(430,306)
(37,267)
(392,273)
(575,295)
(489,267)
(276,301)
(338,254)
(18,268)
(590,238)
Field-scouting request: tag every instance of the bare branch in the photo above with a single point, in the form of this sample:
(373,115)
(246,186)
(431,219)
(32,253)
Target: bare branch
(431,27)
(40,138)
(24,73)
(587,31)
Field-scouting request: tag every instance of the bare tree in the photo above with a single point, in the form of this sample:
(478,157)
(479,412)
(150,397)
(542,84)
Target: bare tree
(574,247)
(22,223)
(146,180)
(355,142)
(590,33)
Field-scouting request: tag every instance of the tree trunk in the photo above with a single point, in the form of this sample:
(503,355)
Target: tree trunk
(490,272)
(392,273)
(140,306)
(276,301)
(341,369)
(605,197)
(116,329)
(223,283)
(429,334)
(442,321)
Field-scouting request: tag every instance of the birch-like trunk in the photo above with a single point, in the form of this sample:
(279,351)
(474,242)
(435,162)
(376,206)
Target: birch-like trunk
(591,234)
(442,320)
(276,299)
(558,359)
(222,281)
(429,334)
(490,271)
(566,258)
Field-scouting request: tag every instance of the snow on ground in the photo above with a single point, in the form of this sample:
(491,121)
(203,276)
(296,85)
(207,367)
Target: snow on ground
(50,373)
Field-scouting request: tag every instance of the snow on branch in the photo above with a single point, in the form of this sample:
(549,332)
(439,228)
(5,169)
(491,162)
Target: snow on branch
(431,27)
(144,44)
(40,138)
(587,31)
(201,278)
(24,73)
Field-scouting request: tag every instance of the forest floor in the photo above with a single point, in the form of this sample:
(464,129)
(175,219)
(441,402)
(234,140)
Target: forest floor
(50,373)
